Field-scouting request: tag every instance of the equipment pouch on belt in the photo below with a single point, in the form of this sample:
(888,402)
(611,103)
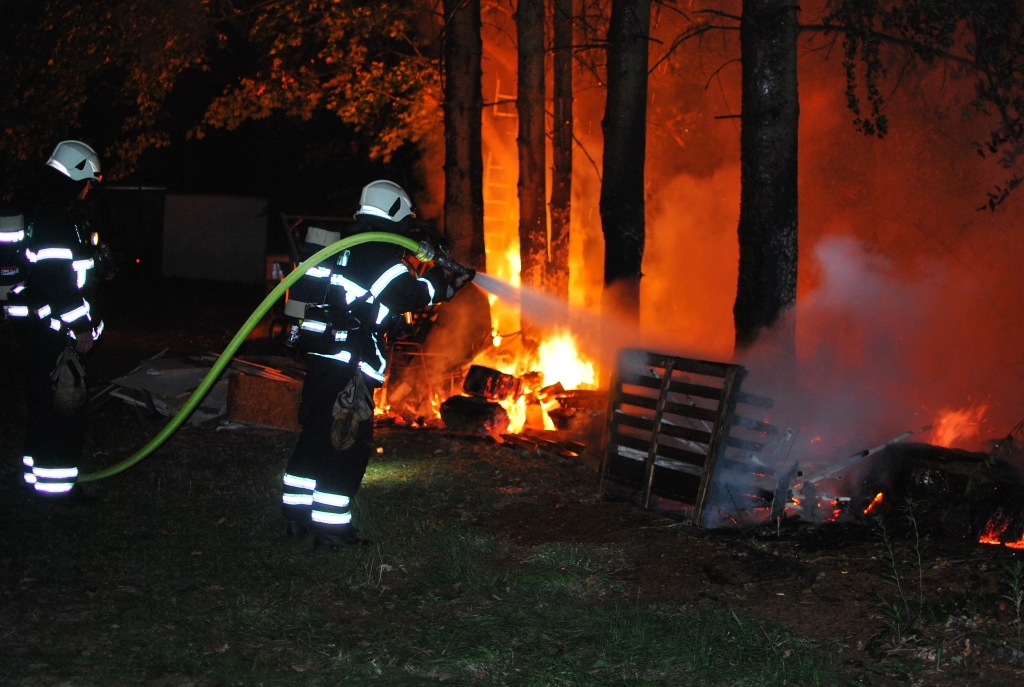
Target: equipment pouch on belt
(316,333)
(68,377)
(324,326)
(353,405)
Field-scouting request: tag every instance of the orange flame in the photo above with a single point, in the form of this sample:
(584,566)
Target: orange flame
(560,361)
(953,427)
(875,503)
(557,361)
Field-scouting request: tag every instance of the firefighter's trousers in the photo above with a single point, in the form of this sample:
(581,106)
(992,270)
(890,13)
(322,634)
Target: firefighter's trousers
(53,439)
(321,480)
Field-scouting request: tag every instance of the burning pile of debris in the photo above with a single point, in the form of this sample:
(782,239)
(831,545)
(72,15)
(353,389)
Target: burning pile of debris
(482,408)
(681,438)
(954,492)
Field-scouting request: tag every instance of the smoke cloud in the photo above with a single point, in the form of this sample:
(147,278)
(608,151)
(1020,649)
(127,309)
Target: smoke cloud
(909,297)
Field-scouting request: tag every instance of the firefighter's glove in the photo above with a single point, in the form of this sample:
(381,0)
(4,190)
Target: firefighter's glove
(463,278)
(457,281)
(68,380)
(83,342)
(353,406)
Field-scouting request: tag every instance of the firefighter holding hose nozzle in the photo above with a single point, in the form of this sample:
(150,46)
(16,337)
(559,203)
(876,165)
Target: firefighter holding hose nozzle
(350,299)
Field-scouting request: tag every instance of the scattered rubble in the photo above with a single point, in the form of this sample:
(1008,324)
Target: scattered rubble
(256,391)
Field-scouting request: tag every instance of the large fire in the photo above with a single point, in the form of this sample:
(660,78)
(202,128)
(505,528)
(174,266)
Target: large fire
(555,361)
(847,290)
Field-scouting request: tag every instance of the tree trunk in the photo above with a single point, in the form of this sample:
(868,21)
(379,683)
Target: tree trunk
(768,176)
(463,326)
(624,128)
(561,146)
(530,94)
(463,105)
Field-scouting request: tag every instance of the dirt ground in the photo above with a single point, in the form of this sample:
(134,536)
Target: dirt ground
(832,584)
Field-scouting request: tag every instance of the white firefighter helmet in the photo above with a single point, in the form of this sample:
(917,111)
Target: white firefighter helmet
(75,160)
(385,199)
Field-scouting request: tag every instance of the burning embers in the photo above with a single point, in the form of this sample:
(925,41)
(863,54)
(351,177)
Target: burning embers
(805,498)
(954,492)
(1001,531)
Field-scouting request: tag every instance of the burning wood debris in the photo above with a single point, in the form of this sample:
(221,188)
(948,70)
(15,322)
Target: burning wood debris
(681,438)
(962,494)
(481,408)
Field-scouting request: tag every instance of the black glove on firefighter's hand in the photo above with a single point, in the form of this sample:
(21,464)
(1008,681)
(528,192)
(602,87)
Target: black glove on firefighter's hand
(462,279)
(457,281)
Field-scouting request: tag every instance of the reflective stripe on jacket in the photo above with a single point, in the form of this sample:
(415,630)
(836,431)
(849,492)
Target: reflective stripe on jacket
(58,265)
(372,283)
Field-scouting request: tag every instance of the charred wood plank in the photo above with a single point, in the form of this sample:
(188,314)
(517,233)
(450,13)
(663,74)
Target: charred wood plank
(474,414)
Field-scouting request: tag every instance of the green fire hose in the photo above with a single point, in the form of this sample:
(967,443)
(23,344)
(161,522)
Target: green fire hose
(424,251)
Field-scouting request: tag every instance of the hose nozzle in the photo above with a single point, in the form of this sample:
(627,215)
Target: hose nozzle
(428,253)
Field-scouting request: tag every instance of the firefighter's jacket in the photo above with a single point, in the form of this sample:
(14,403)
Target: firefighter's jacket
(354,296)
(58,256)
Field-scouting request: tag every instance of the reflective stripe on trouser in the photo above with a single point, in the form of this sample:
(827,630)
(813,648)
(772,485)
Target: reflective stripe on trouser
(331,509)
(54,439)
(321,480)
(301,500)
(297,496)
(49,480)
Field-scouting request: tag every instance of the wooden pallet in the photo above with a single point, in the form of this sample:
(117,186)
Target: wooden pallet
(672,425)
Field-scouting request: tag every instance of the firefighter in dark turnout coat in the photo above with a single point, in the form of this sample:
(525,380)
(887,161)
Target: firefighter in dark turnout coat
(351,298)
(56,321)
